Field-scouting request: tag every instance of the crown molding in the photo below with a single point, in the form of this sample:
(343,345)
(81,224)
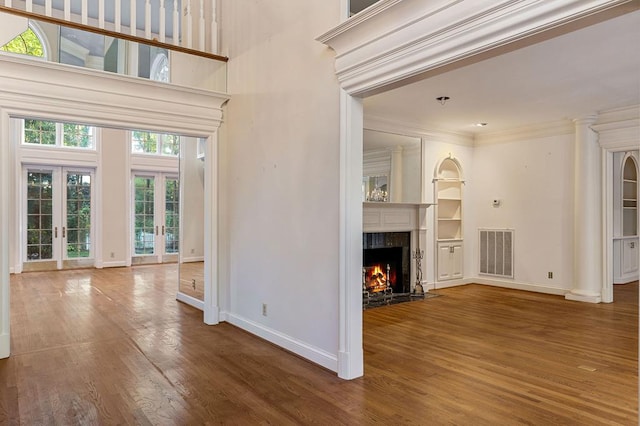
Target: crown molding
(535,131)
(57,91)
(403,40)
(428,133)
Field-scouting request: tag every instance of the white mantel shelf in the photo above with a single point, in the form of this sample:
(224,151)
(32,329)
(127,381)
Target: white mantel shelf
(376,204)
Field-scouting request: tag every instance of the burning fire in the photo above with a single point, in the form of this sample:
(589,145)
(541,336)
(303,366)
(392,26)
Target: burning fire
(376,279)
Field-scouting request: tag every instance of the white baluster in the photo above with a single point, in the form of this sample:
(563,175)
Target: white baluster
(7,3)
(147,19)
(176,23)
(162,29)
(67,10)
(85,12)
(214,28)
(133,23)
(29,6)
(47,8)
(118,15)
(201,28)
(101,14)
(187,30)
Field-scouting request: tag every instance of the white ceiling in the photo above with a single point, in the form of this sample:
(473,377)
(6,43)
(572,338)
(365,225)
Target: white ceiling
(586,71)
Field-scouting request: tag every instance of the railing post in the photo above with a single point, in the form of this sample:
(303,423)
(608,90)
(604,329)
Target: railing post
(29,5)
(84,12)
(117,16)
(187,29)
(101,14)
(163,22)
(7,3)
(214,27)
(67,10)
(201,28)
(176,24)
(147,19)
(47,8)
(133,21)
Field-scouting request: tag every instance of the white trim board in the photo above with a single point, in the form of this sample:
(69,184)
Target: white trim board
(302,349)
(191,301)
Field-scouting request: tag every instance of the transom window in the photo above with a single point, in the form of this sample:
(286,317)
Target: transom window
(51,133)
(27,43)
(154,143)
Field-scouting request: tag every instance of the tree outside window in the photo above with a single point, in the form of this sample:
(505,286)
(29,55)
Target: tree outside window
(50,133)
(155,143)
(26,43)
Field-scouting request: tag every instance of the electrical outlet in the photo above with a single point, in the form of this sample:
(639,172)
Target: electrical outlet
(193,251)
(550,275)
(193,283)
(113,255)
(264,309)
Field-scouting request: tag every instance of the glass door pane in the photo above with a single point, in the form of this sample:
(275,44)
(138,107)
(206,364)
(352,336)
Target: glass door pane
(39,215)
(144,211)
(172,215)
(78,218)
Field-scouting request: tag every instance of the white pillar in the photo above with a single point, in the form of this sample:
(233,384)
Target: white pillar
(395,187)
(5,202)
(351,354)
(587,264)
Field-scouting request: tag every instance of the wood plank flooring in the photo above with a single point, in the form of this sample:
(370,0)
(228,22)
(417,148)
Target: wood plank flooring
(114,347)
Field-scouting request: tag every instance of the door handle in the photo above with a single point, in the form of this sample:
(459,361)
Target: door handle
(162,229)
(156,229)
(55,232)
(64,232)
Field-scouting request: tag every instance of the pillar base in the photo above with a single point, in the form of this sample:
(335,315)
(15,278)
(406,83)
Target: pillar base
(578,296)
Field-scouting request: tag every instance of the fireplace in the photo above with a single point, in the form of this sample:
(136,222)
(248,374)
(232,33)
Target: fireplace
(386,262)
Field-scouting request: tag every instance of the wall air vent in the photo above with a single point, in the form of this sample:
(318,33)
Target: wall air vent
(496,252)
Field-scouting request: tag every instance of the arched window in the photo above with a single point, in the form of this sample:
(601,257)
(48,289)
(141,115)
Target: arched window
(28,43)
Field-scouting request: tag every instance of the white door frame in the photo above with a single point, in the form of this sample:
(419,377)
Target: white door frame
(64,93)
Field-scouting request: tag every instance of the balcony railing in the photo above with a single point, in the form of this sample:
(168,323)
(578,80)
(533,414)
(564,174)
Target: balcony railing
(184,25)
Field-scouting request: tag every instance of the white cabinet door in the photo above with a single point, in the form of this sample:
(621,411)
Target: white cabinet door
(450,265)
(629,256)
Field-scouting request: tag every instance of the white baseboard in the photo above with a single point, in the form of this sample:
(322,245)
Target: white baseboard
(115,264)
(11,270)
(626,279)
(519,286)
(5,346)
(302,349)
(193,259)
(495,282)
(191,301)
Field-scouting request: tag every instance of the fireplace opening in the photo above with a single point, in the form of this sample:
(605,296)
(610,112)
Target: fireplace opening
(386,262)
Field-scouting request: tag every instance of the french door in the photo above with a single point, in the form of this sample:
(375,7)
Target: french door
(156,222)
(58,218)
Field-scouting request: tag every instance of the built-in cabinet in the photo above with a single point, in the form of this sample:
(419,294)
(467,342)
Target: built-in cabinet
(448,217)
(625,242)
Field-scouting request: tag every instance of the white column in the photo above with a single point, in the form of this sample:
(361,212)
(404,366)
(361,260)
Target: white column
(350,355)
(5,202)
(211,302)
(587,264)
(395,187)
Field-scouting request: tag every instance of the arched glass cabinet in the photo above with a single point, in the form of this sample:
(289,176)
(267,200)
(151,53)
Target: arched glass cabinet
(625,242)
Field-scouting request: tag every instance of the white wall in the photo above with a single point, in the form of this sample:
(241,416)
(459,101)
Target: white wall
(281,165)
(192,174)
(116,176)
(533,178)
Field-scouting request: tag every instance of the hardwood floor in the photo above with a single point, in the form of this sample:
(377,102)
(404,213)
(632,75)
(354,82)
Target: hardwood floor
(114,347)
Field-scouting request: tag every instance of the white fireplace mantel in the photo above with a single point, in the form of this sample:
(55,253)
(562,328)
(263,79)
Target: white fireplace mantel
(392,217)
(399,217)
